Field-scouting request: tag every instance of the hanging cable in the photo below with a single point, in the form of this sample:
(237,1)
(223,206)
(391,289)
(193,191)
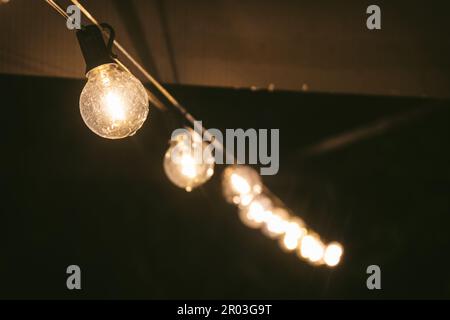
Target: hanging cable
(144,72)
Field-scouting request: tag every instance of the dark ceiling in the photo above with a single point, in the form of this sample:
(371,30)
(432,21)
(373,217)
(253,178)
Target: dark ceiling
(297,45)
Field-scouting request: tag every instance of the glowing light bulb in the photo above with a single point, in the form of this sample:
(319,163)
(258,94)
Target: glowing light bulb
(241,184)
(257,212)
(188,162)
(293,233)
(277,223)
(333,253)
(113,103)
(312,248)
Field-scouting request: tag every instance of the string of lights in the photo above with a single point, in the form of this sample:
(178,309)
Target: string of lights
(114,104)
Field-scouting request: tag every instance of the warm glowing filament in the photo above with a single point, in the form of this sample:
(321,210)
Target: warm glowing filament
(188,166)
(115,106)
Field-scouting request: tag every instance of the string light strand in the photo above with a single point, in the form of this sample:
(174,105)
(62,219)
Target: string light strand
(258,207)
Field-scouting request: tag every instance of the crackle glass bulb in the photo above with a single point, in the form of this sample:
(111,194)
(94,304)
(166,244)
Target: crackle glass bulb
(188,162)
(113,103)
(241,184)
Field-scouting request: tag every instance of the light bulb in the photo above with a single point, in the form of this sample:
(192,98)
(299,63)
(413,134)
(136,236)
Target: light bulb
(312,248)
(277,223)
(113,103)
(241,184)
(257,212)
(294,231)
(333,253)
(188,162)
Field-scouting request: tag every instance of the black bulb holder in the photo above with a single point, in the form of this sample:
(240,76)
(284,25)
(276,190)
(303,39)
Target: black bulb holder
(93,47)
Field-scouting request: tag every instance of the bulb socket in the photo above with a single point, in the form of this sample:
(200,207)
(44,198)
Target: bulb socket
(93,47)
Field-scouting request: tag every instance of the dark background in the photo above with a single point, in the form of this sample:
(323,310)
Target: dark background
(70,197)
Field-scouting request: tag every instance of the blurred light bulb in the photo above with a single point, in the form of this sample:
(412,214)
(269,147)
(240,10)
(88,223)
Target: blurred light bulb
(293,233)
(241,184)
(333,253)
(113,103)
(257,212)
(188,162)
(277,223)
(312,248)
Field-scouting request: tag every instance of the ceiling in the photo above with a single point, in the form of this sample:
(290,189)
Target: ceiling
(289,45)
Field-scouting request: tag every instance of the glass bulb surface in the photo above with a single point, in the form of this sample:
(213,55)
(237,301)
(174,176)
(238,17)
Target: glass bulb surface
(113,103)
(188,162)
(241,184)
